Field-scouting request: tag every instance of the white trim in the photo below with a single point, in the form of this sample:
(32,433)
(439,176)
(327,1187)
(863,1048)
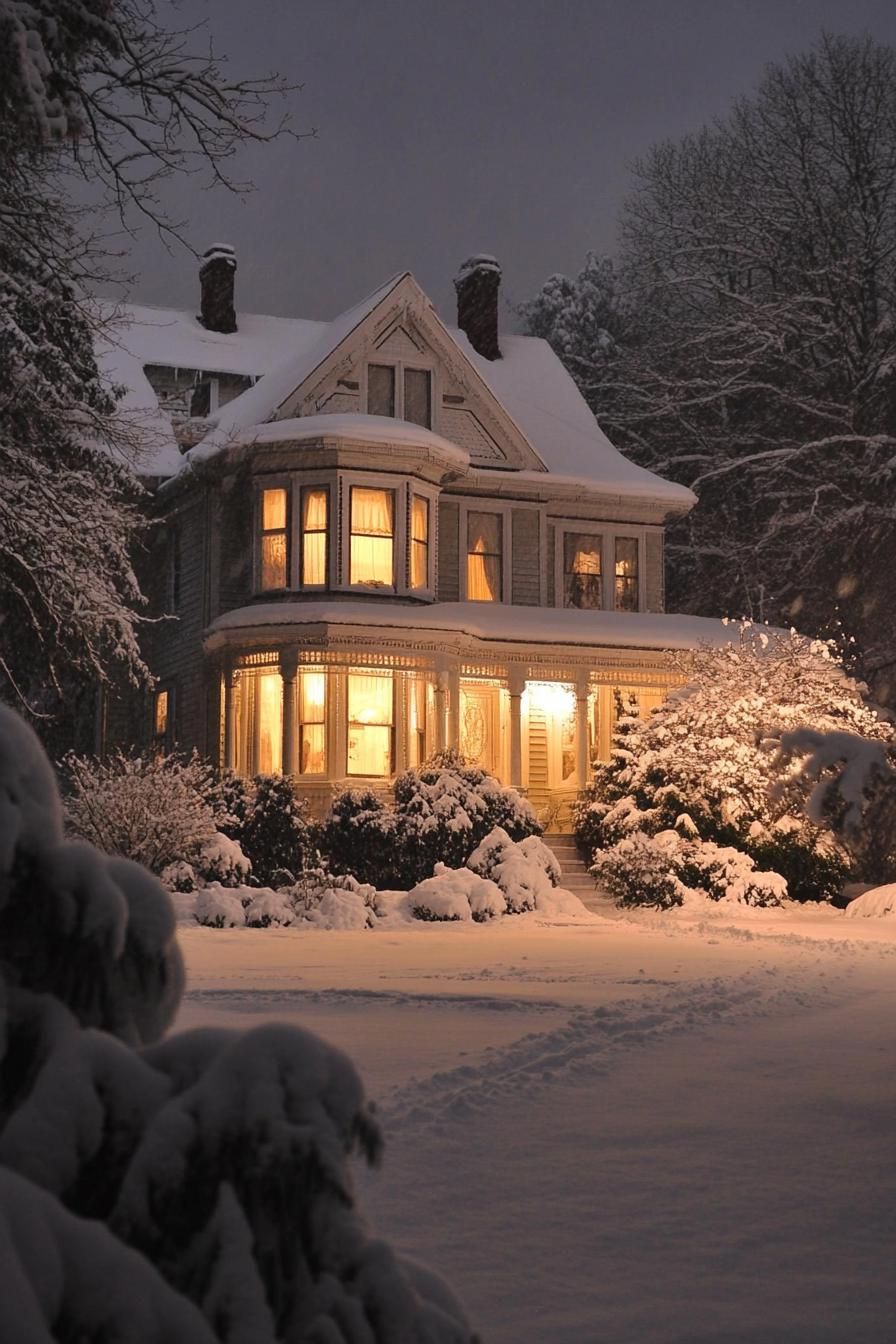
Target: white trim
(279,481)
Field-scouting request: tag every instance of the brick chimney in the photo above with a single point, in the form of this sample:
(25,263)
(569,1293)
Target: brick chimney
(216,275)
(477,283)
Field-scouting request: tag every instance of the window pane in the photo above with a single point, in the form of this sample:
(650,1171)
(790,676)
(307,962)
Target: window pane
(418,397)
(417,722)
(380,389)
(314,537)
(273,509)
(582,570)
(419,542)
(314,511)
(269,709)
(372,513)
(626,575)
(370,710)
(312,696)
(313,749)
(484,557)
(161,714)
(273,560)
(312,723)
(420,518)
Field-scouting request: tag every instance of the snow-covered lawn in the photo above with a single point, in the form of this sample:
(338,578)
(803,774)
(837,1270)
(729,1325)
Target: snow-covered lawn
(676,1127)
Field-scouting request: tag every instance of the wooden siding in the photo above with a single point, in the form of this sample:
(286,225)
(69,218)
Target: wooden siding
(448,572)
(547,561)
(235,542)
(656,585)
(525,559)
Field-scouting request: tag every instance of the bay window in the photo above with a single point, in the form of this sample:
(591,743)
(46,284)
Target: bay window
(371,713)
(312,723)
(372,532)
(419,542)
(582,577)
(484,557)
(417,691)
(274,556)
(314,536)
(626,574)
(268,725)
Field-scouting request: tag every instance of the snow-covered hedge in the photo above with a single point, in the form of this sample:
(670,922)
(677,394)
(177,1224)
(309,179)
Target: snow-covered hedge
(705,764)
(666,869)
(194,1188)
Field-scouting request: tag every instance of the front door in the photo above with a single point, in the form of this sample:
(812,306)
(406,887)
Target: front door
(480,731)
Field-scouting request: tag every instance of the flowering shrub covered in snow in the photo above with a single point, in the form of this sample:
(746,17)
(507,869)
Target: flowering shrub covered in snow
(705,761)
(151,809)
(192,1188)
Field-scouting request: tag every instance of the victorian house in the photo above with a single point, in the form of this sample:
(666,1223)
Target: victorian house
(381,536)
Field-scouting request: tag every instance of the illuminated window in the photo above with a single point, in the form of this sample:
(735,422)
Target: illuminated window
(370,724)
(312,723)
(314,537)
(372,537)
(273,539)
(416,721)
(161,718)
(419,542)
(418,397)
(484,557)
(582,571)
(626,574)
(268,687)
(380,389)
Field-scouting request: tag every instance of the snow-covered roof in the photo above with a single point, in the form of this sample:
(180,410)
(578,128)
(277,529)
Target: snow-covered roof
(529,382)
(495,622)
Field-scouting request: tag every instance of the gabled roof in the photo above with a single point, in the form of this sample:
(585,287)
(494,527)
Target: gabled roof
(529,383)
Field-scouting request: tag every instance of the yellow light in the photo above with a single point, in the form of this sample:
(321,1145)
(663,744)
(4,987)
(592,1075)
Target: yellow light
(551,697)
(314,689)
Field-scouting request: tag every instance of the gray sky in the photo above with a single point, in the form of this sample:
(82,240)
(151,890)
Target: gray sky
(446,127)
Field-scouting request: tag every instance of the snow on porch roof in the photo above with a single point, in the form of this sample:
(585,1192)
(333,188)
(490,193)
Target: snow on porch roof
(495,623)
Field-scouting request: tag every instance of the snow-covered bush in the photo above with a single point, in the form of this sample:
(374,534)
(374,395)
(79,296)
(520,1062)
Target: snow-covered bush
(193,1188)
(151,809)
(456,894)
(222,860)
(705,761)
(275,835)
(230,795)
(524,872)
(318,897)
(874,904)
(447,806)
(663,870)
(360,835)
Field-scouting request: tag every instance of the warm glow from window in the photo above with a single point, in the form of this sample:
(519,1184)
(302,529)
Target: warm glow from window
(419,542)
(626,575)
(582,571)
(370,718)
(484,557)
(551,697)
(268,722)
(314,537)
(416,721)
(372,534)
(274,550)
(312,723)
(160,726)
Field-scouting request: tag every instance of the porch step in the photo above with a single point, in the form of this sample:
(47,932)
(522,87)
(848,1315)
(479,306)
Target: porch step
(575,875)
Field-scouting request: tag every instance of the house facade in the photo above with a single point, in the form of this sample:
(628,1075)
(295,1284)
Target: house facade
(382,536)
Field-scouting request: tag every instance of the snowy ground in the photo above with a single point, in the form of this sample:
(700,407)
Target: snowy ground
(673,1128)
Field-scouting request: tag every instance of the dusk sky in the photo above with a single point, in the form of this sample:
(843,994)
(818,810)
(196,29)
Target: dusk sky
(447,126)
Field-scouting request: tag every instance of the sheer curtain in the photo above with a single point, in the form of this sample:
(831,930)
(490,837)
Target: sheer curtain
(419,542)
(314,537)
(626,574)
(484,557)
(370,715)
(269,722)
(582,566)
(273,539)
(372,515)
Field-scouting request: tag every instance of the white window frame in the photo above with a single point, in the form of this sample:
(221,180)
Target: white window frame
(609,532)
(506,511)
(431,495)
(262,483)
(399,365)
(314,481)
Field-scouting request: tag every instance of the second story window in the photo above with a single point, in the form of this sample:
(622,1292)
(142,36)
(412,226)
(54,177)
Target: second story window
(419,542)
(626,574)
(314,536)
(274,566)
(372,533)
(484,557)
(582,577)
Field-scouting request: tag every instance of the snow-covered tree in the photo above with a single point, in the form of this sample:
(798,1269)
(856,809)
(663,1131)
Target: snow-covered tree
(98,90)
(188,1188)
(705,764)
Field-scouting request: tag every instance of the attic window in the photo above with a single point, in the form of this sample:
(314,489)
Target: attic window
(401,393)
(381,390)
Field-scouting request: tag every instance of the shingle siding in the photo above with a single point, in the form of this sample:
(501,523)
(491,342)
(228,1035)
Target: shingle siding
(656,578)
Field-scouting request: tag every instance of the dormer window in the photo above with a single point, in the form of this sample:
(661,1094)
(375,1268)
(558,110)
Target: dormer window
(401,393)
(274,559)
(315,507)
(372,531)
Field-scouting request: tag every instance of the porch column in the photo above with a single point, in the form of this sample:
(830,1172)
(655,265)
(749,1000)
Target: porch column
(441,697)
(289,667)
(453,742)
(516,685)
(582,762)
(231,678)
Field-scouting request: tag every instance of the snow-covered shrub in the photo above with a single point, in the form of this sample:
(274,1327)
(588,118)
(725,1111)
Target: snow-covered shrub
(222,860)
(456,894)
(222,907)
(275,836)
(230,796)
(523,872)
(874,904)
(705,760)
(641,870)
(360,835)
(151,809)
(728,874)
(195,1188)
(179,877)
(447,806)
